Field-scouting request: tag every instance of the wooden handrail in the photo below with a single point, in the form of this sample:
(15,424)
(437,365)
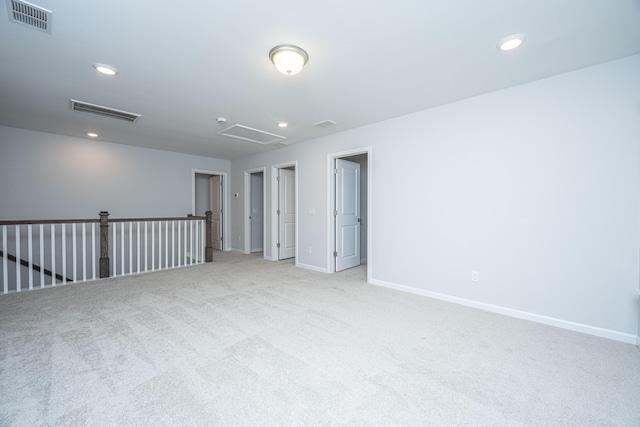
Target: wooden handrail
(87,221)
(48,221)
(35,267)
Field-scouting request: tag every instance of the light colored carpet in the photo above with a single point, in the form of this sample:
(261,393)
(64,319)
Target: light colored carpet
(249,342)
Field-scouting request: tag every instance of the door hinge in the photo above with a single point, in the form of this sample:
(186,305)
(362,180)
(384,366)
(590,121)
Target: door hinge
(278,178)
(335,213)
(278,245)
(335,254)
(359,219)
(278,211)
(335,171)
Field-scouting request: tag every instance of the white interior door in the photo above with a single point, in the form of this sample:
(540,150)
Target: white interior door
(215,200)
(286,214)
(347,251)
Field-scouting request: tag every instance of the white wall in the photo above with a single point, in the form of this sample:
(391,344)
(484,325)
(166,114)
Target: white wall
(535,187)
(46,176)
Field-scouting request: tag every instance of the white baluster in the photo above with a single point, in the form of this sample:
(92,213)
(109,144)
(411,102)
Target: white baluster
(122,247)
(5,255)
(146,253)
(138,234)
(18,266)
(130,247)
(166,244)
(53,254)
(176,248)
(93,250)
(191,242)
(64,253)
(153,245)
(84,251)
(74,252)
(115,250)
(30,249)
(41,259)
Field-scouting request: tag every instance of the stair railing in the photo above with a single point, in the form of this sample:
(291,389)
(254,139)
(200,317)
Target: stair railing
(46,253)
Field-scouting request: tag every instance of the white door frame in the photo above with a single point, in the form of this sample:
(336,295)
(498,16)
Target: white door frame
(331,197)
(225,201)
(247,208)
(274,207)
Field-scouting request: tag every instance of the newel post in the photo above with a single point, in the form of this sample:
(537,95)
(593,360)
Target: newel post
(104,245)
(208,251)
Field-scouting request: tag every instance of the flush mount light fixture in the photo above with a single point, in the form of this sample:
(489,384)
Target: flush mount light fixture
(92,134)
(511,42)
(105,69)
(288,59)
(283,124)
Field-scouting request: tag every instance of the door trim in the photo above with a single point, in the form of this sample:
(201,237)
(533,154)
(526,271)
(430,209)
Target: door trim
(331,193)
(225,201)
(274,207)
(247,207)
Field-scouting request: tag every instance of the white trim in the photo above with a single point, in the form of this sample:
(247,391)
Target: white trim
(331,267)
(247,205)
(312,268)
(638,341)
(551,321)
(226,244)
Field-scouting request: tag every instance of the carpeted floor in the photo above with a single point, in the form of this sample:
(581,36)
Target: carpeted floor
(247,342)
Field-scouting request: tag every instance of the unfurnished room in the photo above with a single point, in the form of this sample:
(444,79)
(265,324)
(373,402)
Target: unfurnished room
(409,213)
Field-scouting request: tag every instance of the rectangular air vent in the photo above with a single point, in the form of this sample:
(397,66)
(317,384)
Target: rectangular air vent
(30,15)
(252,135)
(325,123)
(104,111)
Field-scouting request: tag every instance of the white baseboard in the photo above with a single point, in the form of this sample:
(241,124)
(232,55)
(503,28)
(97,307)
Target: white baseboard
(638,341)
(560,323)
(312,267)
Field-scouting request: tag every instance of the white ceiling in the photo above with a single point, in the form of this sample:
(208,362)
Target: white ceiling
(183,64)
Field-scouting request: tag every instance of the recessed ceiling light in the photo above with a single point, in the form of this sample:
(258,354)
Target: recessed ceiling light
(511,42)
(105,69)
(92,134)
(283,124)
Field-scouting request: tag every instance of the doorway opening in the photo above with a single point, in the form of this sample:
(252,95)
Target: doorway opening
(209,194)
(255,205)
(285,217)
(349,192)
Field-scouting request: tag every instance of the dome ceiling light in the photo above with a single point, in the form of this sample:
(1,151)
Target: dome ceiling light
(288,59)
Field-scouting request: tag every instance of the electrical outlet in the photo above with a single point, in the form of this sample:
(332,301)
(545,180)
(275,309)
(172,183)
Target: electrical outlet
(309,249)
(239,239)
(475,276)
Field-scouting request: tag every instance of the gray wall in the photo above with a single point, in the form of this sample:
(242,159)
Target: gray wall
(46,176)
(535,187)
(202,202)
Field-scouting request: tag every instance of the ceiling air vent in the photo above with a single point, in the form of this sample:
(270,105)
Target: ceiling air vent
(30,15)
(325,123)
(104,111)
(252,135)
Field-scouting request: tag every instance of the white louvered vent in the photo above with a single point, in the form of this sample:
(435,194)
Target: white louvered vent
(252,135)
(100,110)
(30,15)
(325,123)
